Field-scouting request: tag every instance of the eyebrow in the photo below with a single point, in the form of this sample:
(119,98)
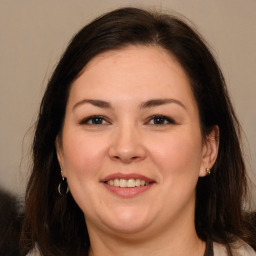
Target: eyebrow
(159,102)
(97,103)
(147,104)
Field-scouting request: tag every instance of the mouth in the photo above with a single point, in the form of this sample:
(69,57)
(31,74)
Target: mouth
(130,183)
(127,185)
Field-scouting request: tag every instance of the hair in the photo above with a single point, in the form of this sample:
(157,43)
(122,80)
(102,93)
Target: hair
(55,223)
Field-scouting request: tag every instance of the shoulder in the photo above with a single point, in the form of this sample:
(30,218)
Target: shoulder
(239,248)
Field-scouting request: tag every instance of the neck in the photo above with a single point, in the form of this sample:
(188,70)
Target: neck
(180,241)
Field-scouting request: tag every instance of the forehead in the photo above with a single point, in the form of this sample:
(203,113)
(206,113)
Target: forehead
(140,56)
(132,72)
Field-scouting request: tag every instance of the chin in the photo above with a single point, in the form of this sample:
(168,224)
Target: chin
(128,229)
(128,222)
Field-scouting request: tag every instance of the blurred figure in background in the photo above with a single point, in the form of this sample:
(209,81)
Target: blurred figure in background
(10,224)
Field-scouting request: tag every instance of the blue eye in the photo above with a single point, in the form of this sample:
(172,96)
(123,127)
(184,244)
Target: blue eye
(161,120)
(94,120)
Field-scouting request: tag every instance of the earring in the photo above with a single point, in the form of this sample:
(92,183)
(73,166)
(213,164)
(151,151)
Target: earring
(208,171)
(63,188)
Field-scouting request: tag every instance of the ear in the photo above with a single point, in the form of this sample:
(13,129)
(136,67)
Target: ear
(59,152)
(210,151)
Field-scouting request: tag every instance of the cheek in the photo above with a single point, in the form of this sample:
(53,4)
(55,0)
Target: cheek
(83,155)
(179,154)
(178,160)
(83,160)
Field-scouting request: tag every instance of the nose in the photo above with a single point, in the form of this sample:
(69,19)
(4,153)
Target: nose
(127,145)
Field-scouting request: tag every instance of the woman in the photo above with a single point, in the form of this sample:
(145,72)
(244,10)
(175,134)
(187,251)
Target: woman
(136,149)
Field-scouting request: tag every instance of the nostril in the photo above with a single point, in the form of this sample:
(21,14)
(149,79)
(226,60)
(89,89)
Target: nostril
(126,150)
(126,157)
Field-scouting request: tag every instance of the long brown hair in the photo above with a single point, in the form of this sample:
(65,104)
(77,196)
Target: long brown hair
(55,223)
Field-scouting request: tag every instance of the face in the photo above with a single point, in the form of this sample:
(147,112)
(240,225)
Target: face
(131,147)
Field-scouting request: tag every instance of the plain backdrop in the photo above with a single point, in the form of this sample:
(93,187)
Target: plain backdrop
(35,33)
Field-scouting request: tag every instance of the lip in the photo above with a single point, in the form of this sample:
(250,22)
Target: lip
(127,192)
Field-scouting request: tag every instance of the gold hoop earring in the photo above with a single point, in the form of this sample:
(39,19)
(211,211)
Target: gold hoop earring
(208,171)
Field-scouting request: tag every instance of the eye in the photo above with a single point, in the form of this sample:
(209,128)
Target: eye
(160,120)
(94,120)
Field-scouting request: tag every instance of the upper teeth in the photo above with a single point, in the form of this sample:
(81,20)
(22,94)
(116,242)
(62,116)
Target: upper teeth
(131,183)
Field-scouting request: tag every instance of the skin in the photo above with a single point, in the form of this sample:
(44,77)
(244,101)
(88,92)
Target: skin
(127,139)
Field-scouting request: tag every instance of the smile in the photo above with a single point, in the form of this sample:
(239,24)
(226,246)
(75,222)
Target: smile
(127,185)
(130,183)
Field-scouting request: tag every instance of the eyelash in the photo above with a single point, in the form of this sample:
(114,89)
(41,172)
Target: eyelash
(93,120)
(157,120)
(164,120)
